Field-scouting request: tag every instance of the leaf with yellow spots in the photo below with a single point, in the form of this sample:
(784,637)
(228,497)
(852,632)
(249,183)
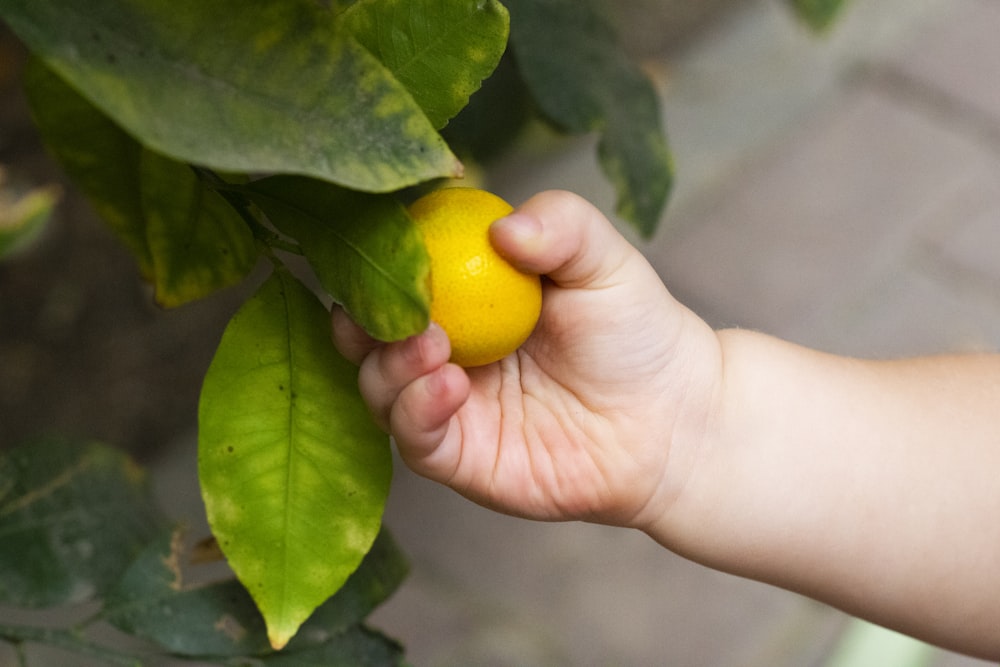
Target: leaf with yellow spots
(441,50)
(282,88)
(197,242)
(364,248)
(294,473)
(164,597)
(73,515)
(187,240)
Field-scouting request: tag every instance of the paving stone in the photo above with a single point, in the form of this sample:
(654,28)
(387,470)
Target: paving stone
(492,590)
(960,55)
(821,214)
(965,236)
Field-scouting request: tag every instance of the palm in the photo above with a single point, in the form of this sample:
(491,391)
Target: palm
(562,428)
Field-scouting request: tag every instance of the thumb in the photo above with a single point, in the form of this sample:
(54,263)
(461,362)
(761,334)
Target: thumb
(562,236)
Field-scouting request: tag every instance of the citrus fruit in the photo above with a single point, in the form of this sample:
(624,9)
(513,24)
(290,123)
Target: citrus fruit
(485,305)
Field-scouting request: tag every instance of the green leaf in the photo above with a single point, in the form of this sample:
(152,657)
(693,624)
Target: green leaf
(441,50)
(294,474)
(102,160)
(197,241)
(582,79)
(187,240)
(357,646)
(366,251)
(818,14)
(155,601)
(73,516)
(494,117)
(279,88)
(380,574)
(23,214)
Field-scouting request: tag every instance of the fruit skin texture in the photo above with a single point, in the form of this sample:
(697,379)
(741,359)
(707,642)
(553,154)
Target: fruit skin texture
(486,306)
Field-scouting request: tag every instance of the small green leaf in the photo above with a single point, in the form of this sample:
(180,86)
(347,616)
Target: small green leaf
(155,601)
(197,241)
(582,79)
(294,474)
(281,88)
(440,50)
(818,14)
(366,251)
(23,214)
(73,516)
(102,160)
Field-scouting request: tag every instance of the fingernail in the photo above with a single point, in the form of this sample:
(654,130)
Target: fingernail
(519,227)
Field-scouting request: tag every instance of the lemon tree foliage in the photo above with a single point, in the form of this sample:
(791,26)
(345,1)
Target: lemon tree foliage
(187,240)
(101,158)
(272,90)
(80,524)
(72,516)
(364,248)
(216,137)
(295,485)
(155,600)
(423,55)
(577,71)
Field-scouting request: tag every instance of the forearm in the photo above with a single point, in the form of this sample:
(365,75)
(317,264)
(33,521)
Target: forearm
(872,486)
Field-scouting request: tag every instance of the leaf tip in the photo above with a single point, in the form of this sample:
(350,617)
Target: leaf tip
(279,637)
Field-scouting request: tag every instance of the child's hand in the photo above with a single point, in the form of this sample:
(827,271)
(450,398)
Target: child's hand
(580,422)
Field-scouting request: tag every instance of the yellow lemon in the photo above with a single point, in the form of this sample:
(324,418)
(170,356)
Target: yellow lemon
(485,305)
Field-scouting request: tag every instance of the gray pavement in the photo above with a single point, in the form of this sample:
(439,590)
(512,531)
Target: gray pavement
(842,192)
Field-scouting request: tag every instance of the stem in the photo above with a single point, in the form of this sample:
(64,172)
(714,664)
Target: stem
(233,194)
(64,639)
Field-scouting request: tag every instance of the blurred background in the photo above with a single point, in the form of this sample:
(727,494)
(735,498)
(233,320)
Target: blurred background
(841,191)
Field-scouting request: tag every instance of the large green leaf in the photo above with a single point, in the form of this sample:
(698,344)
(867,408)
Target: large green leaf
(293,472)
(155,601)
(187,240)
(99,156)
(197,241)
(583,80)
(72,517)
(818,14)
(365,250)
(441,50)
(274,86)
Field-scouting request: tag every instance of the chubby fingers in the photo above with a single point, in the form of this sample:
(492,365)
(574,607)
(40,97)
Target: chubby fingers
(350,340)
(563,236)
(412,390)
